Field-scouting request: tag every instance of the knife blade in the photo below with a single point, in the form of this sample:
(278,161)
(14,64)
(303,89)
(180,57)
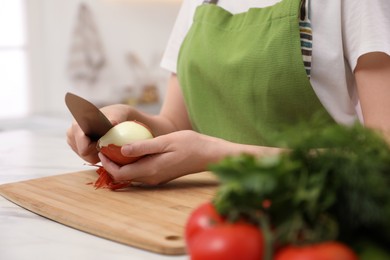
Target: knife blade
(90,119)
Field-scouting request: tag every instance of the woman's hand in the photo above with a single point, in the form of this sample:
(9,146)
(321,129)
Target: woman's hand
(173,155)
(165,158)
(173,117)
(82,145)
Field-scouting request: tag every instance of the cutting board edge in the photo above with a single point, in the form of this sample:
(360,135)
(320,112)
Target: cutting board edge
(179,250)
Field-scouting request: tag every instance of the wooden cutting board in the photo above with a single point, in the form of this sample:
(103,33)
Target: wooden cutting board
(150,218)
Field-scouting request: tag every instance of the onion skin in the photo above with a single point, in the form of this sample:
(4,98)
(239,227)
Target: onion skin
(113,152)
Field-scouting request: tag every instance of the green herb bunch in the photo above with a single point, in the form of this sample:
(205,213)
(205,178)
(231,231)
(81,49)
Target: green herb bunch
(333,183)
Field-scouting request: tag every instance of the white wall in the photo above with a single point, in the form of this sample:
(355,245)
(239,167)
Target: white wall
(124,26)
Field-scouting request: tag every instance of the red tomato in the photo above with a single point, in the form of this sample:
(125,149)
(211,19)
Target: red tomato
(228,242)
(203,217)
(208,236)
(322,251)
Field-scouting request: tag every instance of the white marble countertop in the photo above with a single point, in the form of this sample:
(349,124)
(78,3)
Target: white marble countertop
(35,148)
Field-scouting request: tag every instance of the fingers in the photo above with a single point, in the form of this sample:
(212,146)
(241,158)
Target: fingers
(163,158)
(81,144)
(140,171)
(111,167)
(89,153)
(126,172)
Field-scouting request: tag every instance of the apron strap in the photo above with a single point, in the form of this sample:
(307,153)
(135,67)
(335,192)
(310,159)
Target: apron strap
(306,35)
(305,10)
(210,2)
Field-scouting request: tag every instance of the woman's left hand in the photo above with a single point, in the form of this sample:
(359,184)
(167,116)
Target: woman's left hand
(168,157)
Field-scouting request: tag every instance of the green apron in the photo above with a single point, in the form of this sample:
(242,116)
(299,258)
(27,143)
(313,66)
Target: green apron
(243,76)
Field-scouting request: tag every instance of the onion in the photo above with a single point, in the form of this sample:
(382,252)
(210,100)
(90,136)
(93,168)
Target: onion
(124,133)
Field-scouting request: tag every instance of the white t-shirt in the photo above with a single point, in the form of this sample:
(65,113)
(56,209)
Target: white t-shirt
(343,30)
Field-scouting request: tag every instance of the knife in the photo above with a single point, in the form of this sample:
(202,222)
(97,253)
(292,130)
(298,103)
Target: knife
(90,119)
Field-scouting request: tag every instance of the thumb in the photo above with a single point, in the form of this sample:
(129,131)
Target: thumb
(145,147)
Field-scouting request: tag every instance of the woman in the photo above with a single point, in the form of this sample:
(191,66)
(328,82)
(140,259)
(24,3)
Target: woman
(244,69)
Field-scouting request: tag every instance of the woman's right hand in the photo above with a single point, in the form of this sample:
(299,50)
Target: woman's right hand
(82,145)
(173,117)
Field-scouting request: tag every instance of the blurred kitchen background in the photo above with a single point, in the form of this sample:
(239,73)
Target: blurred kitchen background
(107,51)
